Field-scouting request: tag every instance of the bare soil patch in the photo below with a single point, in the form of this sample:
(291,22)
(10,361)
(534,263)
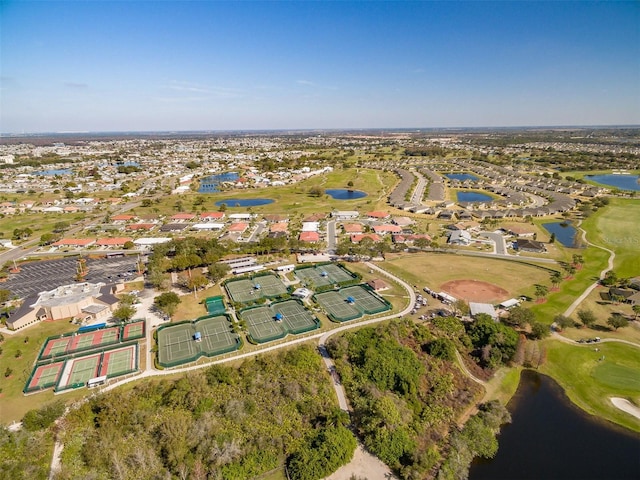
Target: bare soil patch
(475,291)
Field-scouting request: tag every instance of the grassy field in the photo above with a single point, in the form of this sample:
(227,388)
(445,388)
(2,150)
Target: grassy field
(38,222)
(617,228)
(432,270)
(14,403)
(293,199)
(590,382)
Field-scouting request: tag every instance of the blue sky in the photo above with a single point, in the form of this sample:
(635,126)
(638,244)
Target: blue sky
(188,65)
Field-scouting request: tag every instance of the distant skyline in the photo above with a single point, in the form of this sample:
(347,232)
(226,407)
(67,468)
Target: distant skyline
(190,65)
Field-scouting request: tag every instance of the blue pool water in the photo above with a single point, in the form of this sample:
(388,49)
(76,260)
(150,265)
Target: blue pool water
(565,232)
(244,202)
(473,197)
(461,176)
(210,184)
(623,182)
(61,171)
(344,194)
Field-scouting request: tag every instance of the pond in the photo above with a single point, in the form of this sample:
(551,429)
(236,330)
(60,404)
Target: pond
(473,197)
(344,194)
(623,182)
(60,171)
(565,232)
(549,437)
(211,183)
(244,202)
(461,176)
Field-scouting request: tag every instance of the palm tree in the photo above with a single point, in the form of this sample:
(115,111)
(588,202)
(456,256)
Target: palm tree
(636,310)
(556,278)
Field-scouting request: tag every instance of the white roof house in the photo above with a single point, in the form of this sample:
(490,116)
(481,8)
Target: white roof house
(310,226)
(478,308)
(345,214)
(208,226)
(241,216)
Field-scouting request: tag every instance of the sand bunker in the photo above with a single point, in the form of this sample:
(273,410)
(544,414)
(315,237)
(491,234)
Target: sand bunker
(626,406)
(475,291)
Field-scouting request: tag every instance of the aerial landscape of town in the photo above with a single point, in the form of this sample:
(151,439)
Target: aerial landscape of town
(186,296)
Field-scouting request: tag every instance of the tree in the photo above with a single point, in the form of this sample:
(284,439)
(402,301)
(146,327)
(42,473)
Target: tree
(48,238)
(552,238)
(4,295)
(316,192)
(18,353)
(128,245)
(217,271)
(610,279)
(578,260)
(563,322)
(541,291)
(124,313)
(617,320)
(520,316)
(539,330)
(167,302)
(587,317)
(8,372)
(636,310)
(556,278)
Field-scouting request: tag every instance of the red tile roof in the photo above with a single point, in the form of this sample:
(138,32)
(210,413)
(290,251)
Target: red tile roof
(113,241)
(75,242)
(352,228)
(309,237)
(378,214)
(358,237)
(238,227)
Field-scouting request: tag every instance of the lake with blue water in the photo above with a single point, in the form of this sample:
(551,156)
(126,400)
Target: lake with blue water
(565,232)
(473,197)
(344,194)
(244,202)
(550,438)
(461,176)
(211,183)
(60,171)
(623,182)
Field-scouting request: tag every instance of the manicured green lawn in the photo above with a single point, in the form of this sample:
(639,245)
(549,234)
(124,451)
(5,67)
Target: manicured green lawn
(617,227)
(586,378)
(13,404)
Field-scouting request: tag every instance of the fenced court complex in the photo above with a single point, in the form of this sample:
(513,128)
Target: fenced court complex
(325,275)
(75,372)
(70,360)
(266,324)
(351,302)
(249,290)
(132,331)
(187,341)
(78,342)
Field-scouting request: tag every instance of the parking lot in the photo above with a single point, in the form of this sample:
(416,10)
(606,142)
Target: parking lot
(40,276)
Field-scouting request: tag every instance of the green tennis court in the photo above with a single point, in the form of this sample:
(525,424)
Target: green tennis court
(176,345)
(242,291)
(77,371)
(249,290)
(296,318)
(217,336)
(270,285)
(337,307)
(44,376)
(365,300)
(132,331)
(324,274)
(262,324)
(119,361)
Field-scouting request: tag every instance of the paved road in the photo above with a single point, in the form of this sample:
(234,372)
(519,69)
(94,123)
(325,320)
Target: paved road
(257,231)
(418,192)
(331,237)
(591,287)
(499,242)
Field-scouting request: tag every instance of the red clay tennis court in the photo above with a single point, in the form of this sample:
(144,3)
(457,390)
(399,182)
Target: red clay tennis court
(75,342)
(44,376)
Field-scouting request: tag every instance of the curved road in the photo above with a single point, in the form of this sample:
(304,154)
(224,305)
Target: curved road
(591,287)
